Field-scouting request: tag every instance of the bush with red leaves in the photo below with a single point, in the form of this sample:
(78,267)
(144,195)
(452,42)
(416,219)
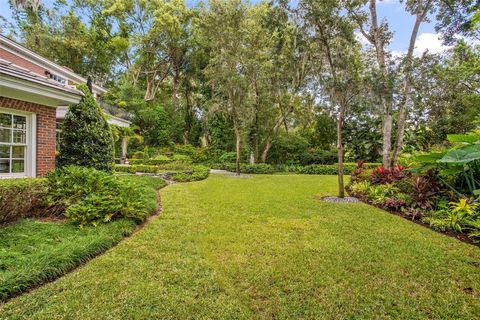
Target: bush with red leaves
(425,190)
(380,175)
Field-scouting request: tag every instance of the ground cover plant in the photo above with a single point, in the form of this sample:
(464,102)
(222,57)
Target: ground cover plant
(35,251)
(270,249)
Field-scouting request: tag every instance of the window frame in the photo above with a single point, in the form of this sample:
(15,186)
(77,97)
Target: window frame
(31,144)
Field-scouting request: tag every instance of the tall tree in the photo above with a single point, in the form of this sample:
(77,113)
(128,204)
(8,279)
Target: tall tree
(226,25)
(333,34)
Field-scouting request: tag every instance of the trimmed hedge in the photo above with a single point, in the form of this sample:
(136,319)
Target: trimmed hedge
(320,169)
(151,162)
(197,173)
(259,168)
(20,197)
(180,171)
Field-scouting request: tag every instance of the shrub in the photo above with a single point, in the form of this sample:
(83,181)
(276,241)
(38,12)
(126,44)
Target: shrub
(124,168)
(318,157)
(228,157)
(195,174)
(425,190)
(20,197)
(181,158)
(86,137)
(89,196)
(459,216)
(359,189)
(196,154)
(287,148)
(153,162)
(138,155)
(382,175)
(323,169)
(259,168)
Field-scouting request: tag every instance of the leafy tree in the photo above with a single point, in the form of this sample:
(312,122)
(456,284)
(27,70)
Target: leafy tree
(76,34)
(226,25)
(339,72)
(154,125)
(86,137)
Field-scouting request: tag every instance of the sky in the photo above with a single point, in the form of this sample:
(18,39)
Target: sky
(400,22)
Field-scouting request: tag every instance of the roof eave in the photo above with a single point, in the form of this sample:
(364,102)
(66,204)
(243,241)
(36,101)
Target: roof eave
(52,65)
(25,90)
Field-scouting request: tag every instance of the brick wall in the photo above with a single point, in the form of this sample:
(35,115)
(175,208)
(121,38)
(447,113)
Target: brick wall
(15,59)
(46,135)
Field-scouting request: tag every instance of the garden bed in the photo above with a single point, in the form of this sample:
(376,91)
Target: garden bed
(41,250)
(423,198)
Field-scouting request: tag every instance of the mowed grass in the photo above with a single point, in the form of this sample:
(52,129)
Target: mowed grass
(267,248)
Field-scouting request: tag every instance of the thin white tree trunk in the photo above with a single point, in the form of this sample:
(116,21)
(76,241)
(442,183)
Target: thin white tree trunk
(407,85)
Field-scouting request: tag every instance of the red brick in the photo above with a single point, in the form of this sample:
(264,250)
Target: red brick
(46,135)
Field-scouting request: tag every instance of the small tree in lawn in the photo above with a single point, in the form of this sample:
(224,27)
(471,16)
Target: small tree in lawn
(86,137)
(338,69)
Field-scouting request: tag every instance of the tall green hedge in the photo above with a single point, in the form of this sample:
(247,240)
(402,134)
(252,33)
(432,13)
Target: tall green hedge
(86,137)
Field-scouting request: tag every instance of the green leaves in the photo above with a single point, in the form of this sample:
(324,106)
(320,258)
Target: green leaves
(464,138)
(86,138)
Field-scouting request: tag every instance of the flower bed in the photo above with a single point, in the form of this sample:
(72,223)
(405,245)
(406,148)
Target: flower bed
(424,198)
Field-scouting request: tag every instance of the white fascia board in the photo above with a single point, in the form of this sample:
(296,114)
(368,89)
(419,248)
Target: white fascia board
(15,48)
(62,111)
(52,97)
(118,121)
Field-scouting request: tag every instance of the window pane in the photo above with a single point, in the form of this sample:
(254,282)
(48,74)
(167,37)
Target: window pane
(19,136)
(5,120)
(5,135)
(18,152)
(4,151)
(19,122)
(4,166)
(18,166)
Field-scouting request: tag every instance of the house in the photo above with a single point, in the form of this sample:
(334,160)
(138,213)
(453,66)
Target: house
(34,96)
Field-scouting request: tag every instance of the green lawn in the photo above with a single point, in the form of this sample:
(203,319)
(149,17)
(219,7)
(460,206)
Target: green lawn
(267,248)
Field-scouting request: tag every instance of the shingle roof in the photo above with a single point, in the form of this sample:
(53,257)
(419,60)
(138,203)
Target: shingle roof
(13,70)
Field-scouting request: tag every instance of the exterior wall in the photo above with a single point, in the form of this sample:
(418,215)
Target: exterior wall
(46,134)
(19,61)
(38,69)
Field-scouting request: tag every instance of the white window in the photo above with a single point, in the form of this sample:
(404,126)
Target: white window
(17,144)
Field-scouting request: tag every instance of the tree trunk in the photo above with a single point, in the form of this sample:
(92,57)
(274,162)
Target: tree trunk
(387,136)
(341,186)
(238,142)
(268,145)
(236,129)
(402,117)
(379,44)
